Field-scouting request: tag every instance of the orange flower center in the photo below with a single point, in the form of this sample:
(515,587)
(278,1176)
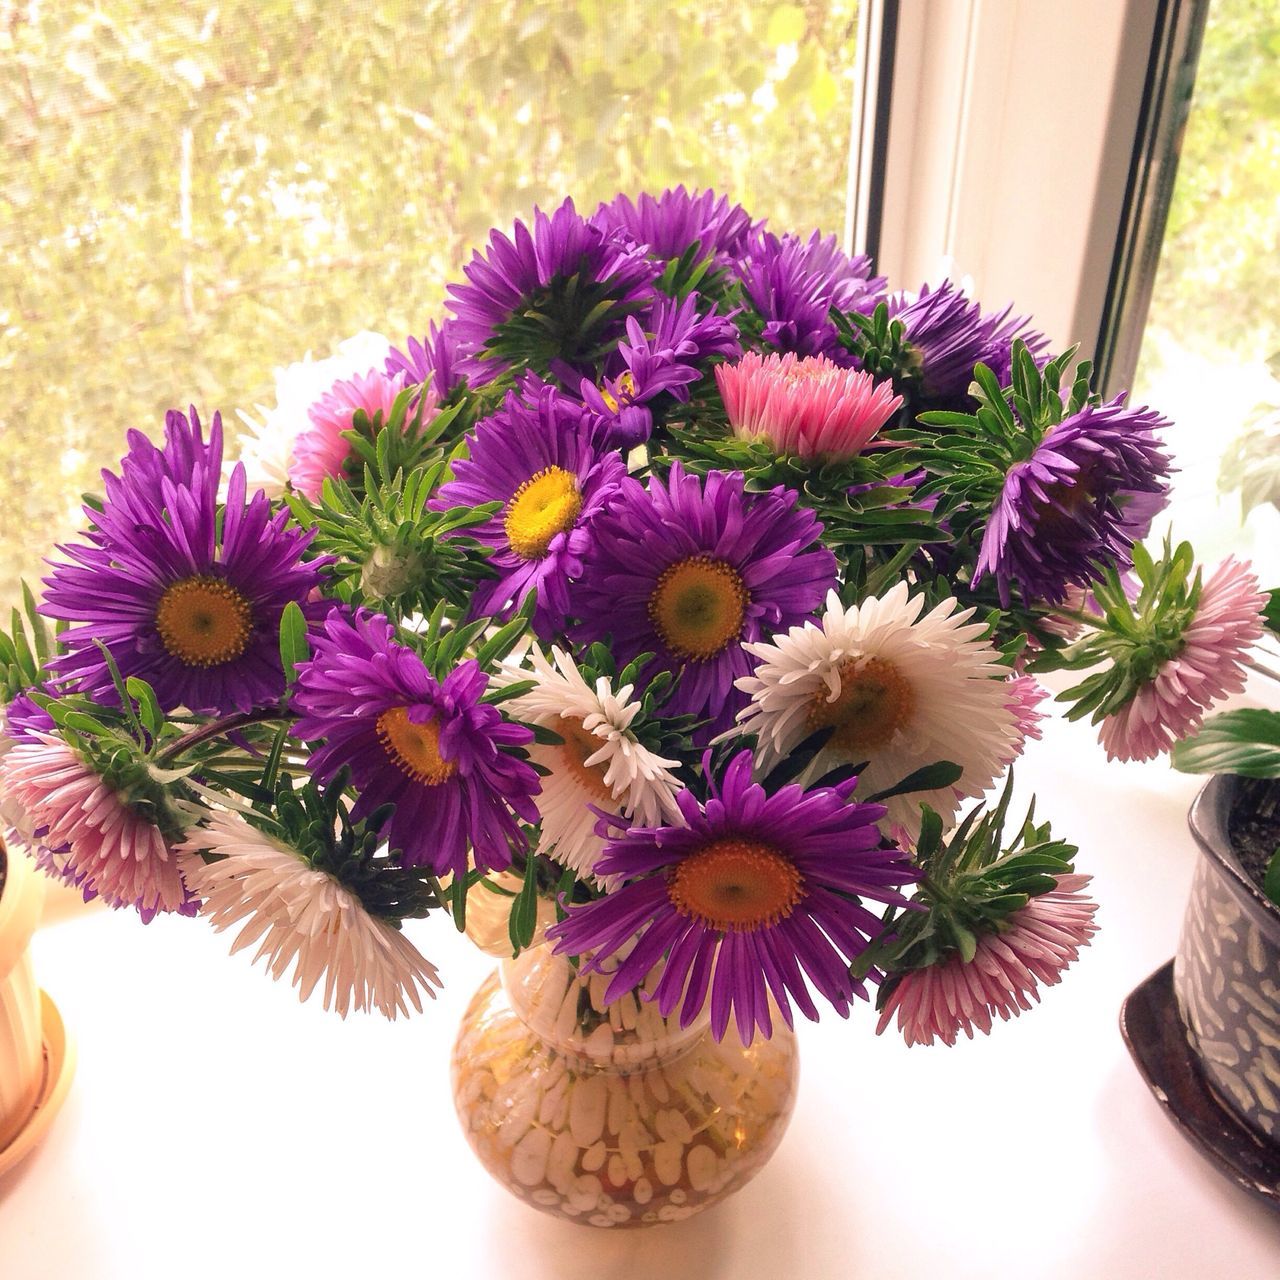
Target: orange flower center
(545,505)
(697,607)
(736,886)
(875,701)
(203,621)
(579,746)
(414,747)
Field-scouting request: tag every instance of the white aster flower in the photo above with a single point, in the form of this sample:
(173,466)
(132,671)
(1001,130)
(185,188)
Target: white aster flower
(899,690)
(303,918)
(267,448)
(601,762)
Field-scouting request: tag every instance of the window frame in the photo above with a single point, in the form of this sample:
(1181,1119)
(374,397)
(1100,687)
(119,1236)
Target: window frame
(962,117)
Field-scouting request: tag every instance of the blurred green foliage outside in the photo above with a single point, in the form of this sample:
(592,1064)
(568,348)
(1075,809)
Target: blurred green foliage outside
(194,193)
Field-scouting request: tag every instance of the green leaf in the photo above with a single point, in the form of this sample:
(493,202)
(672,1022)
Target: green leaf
(1271,881)
(294,647)
(1271,613)
(942,773)
(524,912)
(1244,742)
(149,712)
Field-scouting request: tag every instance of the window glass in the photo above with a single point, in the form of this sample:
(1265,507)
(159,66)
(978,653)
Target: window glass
(194,193)
(1208,356)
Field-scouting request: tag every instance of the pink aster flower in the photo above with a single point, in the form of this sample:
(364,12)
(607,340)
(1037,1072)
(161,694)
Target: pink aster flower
(1024,694)
(321,450)
(804,407)
(1035,945)
(86,834)
(1210,666)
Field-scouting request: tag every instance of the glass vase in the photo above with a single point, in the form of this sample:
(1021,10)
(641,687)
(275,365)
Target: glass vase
(609,1114)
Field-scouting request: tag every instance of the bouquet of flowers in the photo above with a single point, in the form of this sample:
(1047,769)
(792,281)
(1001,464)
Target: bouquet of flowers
(683,592)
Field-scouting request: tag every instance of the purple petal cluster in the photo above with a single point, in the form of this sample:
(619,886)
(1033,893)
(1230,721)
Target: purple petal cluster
(666,226)
(663,354)
(528,440)
(506,278)
(689,571)
(180,598)
(794,283)
(435,360)
(1092,483)
(821,847)
(951,336)
(449,763)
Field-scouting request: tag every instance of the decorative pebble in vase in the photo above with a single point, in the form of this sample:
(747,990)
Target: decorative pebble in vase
(610,1114)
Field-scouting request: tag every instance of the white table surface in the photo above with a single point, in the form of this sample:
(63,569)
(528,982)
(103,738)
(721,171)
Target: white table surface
(218,1128)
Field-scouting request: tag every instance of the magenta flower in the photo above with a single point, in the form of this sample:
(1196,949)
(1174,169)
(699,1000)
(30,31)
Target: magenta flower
(1063,512)
(950,336)
(432,360)
(543,458)
(321,451)
(1171,705)
(749,896)
(450,763)
(664,355)
(558,291)
(182,595)
(668,225)
(1035,944)
(805,408)
(792,284)
(690,571)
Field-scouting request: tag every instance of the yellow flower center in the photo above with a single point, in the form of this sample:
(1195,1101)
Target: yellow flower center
(204,622)
(875,702)
(414,747)
(735,886)
(697,607)
(546,504)
(579,746)
(626,385)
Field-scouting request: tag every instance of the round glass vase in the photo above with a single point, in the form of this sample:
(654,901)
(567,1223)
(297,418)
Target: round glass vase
(609,1114)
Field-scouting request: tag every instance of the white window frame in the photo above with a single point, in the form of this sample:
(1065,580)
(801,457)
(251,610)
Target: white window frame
(1014,151)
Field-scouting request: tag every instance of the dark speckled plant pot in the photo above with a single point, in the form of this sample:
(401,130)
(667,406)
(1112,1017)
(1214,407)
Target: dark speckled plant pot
(1227,972)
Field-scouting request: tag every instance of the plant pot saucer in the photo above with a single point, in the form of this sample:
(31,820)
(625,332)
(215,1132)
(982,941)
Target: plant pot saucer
(1153,1030)
(59,1067)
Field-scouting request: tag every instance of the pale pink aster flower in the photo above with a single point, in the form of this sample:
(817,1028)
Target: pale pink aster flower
(804,407)
(1171,706)
(84,832)
(1037,943)
(1024,694)
(304,918)
(321,450)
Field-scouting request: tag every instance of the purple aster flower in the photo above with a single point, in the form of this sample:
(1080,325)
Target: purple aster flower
(24,717)
(690,572)
(951,336)
(450,764)
(750,896)
(434,360)
(543,459)
(794,283)
(665,354)
(669,224)
(180,598)
(1065,511)
(558,292)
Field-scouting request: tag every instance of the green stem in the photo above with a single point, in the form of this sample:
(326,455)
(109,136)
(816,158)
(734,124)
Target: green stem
(217,728)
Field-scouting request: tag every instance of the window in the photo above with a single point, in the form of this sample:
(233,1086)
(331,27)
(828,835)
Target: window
(193,193)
